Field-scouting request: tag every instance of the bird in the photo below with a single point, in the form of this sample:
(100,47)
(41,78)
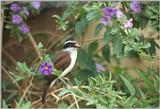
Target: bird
(64,61)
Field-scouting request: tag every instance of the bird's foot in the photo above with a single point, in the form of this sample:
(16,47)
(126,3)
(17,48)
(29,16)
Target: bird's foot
(65,81)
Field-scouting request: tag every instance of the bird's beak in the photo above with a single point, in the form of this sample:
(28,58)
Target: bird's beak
(78,45)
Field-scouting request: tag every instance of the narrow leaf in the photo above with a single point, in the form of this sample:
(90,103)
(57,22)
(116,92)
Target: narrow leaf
(106,52)
(63,92)
(129,86)
(98,29)
(92,47)
(106,37)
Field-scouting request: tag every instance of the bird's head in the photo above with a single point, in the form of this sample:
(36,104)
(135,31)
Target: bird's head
(71,44)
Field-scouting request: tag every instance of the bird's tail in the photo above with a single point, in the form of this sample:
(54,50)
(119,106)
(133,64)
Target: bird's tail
(45,92)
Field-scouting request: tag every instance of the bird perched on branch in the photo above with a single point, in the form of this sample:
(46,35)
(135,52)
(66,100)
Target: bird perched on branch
(65,62)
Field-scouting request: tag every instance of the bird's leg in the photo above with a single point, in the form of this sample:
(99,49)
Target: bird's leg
(64,80)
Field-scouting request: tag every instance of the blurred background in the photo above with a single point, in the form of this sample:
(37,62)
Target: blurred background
(129,55)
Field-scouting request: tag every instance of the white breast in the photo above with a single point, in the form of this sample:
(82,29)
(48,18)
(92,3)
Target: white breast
(73,54)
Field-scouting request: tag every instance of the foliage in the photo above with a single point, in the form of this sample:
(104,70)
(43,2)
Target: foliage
(89,87)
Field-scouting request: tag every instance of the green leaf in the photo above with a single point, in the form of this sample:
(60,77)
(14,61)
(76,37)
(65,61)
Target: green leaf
(63,105)
(80,26)
(63,92)
(4,104)
(130,102)
(129,86)
(92,47)
(83,75)
(117,46)
(99,106)
(40,46)
(147,81)
(91,15)
(85,61)
(98,29)
(106,37)
(22,67)
(66,14)
(154,8)
(106,52)
(147,12)
(4,84)
(47,58)
(142,95)
(17,78)
(26,105)
(8,26)
(133,32)
(143,21)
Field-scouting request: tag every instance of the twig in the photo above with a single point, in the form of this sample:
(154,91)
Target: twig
(73,104)
(55,96)
(59,39)
(98,50)
(10,57)
(29,92)
(24,94)
(9,43)
(34,45)
(91,40)
(55,91)
(7,73)
(51,38)
(76,102)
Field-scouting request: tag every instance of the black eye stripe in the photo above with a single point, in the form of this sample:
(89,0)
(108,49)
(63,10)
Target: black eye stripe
(69,44)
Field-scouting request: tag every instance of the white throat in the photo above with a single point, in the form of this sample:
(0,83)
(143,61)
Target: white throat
(73,56)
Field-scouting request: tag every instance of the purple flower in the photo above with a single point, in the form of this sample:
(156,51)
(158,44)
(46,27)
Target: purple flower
(128,23)
(119,14)
(24,28)
(104,21)
(16,19)
(14,7)
(45,68)
(108,12)
(135,6)
(99,67)
(25,10)
(36,4)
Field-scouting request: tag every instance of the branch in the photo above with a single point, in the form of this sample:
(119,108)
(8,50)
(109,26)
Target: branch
(7,73)
(51,38)
(73,104)
(24,94)
(34,45)
(10,57)
(59,39)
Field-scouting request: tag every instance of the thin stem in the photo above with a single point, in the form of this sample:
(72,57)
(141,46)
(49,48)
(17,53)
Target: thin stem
(73,104)
(10,57)
(98,50)
(25,92)
(29,92)
(51,38)
(34,45)
(7,73)
(76,102)
(59,39)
